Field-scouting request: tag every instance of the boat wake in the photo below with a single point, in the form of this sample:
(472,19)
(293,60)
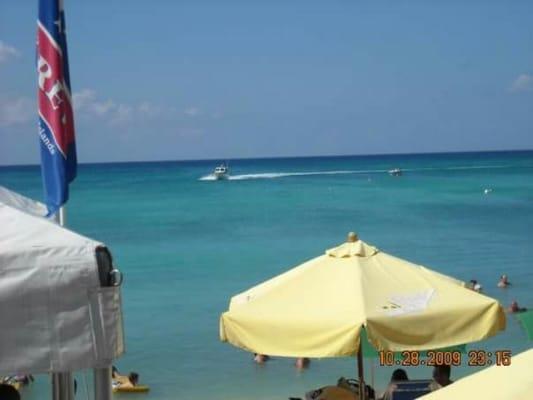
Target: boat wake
(275,175)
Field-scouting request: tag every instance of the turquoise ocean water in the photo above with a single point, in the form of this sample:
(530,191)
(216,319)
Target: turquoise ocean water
(186,244)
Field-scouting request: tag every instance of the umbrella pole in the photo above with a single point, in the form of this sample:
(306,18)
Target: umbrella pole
(362,387)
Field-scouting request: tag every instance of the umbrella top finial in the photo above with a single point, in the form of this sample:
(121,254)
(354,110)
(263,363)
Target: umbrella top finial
(352,237)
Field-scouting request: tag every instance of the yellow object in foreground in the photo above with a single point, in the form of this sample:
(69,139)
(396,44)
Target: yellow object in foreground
(513,382)
(131,389)
(319,308)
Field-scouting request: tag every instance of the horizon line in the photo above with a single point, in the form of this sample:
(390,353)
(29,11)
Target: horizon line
(280,157)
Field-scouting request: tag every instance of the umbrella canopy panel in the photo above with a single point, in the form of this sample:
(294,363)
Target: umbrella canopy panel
(319,308)
(55,314)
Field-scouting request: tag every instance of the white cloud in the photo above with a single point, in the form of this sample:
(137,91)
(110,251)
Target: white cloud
(17,111)
(150,110)
(523,83)
(103,108)
(122,113)
(191,111)
(81,99)
(87,102)
(7,52)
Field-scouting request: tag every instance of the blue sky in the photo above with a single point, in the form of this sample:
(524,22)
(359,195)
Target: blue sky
(168,80)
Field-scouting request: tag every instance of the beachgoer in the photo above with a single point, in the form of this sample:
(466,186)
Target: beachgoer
(123,381)
(260,358)
(131,381)
(475,286)
(8,392)
(515,308)
(117,378)
(133,377)
(302,362)
(398,375)
(503,282)
(441,377)
(24,379)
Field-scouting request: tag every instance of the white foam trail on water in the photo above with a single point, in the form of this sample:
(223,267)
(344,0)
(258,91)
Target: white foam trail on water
(274,175)
(210,177)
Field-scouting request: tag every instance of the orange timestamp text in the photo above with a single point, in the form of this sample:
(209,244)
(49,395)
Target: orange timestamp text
(476,358)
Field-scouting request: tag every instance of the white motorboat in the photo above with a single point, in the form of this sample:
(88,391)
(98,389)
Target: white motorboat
(395,172)
(221,172)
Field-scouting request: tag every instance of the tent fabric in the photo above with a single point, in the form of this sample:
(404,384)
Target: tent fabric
(512,382)
(15,200)
(55,315)
(319,308)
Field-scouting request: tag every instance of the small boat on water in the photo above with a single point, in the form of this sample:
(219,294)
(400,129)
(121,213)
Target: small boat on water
(221,172)
(395,172)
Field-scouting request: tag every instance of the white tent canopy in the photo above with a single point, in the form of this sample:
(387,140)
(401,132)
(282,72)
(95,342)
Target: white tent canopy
(56,316)
(20,202)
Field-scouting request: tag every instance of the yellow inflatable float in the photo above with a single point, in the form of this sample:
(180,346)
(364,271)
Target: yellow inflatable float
(131,389)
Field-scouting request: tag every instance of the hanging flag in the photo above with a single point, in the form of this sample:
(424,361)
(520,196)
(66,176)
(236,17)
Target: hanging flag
(56,118)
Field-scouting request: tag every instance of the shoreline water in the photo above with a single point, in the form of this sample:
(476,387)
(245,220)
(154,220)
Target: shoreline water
(186,246)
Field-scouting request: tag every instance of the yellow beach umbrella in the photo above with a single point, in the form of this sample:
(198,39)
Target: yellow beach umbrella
(512,382)
(319,308)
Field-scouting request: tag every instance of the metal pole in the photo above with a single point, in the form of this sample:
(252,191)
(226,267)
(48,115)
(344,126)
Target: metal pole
(102,383)
(362,386)
(55,386)
(372,371)
(62,386)
(62,215)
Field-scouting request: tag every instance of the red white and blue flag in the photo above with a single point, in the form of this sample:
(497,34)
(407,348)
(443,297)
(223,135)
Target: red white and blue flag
(56,117)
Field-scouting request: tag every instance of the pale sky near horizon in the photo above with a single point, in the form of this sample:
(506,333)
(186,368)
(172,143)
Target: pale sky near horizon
(168,80)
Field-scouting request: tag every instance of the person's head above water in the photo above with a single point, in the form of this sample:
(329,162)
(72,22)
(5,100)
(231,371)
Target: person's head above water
(514,307)
(134,378)
(260,358)
(399,375)
(441,374)
(302,362)
(504,281)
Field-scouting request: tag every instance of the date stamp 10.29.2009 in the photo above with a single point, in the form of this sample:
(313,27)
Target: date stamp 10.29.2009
(474,358)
